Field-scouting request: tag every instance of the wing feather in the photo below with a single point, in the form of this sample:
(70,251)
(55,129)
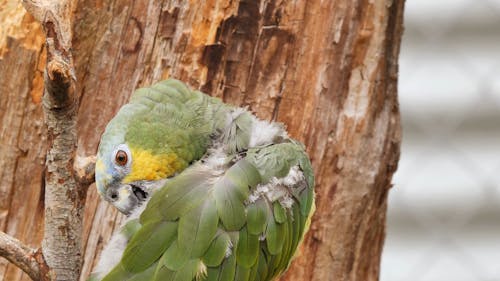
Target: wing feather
(203,225)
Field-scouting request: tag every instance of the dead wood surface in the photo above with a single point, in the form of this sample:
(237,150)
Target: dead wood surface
(327,69)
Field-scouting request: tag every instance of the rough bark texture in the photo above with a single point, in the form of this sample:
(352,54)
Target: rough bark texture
(22,134)
(328,69)
(21,256)
(64,196)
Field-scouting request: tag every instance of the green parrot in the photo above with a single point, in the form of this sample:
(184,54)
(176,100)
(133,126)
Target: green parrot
(210,191)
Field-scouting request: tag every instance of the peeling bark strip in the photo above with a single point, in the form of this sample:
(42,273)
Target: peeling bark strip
(327,69)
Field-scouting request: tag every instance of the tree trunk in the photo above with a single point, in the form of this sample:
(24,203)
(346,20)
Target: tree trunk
(327,69)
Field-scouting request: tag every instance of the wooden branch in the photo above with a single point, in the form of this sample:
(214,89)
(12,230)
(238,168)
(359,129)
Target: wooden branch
(20,255)
(85,169)
(64,195)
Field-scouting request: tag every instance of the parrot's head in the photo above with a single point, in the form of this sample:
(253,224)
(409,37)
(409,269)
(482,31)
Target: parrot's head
(135,157)
(155,136)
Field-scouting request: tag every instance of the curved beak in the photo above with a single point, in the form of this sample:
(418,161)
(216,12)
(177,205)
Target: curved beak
(124,197)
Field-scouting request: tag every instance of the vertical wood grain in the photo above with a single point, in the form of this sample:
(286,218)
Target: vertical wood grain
(327,69)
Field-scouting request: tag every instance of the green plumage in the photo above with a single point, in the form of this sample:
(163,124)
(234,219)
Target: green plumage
(257,214)
(148,244)
(211,221)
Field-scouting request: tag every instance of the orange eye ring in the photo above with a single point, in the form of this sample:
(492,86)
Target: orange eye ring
(121,158)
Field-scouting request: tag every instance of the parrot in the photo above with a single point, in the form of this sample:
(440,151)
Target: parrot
(210,191)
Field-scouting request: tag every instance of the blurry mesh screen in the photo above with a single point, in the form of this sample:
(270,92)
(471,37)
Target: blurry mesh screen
(444,209)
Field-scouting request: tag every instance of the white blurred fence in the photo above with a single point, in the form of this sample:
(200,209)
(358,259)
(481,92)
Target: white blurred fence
(444,209)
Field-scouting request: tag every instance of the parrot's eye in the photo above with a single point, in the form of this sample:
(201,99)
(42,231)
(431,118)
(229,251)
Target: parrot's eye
(121,158)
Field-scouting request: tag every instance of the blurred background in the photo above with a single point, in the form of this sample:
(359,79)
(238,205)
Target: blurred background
(444,209)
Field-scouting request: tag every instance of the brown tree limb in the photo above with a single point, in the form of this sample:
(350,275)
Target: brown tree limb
(64,195)
(20,255)
(85,169)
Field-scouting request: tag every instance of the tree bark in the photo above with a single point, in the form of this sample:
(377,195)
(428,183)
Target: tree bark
(21,256)
(64,195)
(327,69)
